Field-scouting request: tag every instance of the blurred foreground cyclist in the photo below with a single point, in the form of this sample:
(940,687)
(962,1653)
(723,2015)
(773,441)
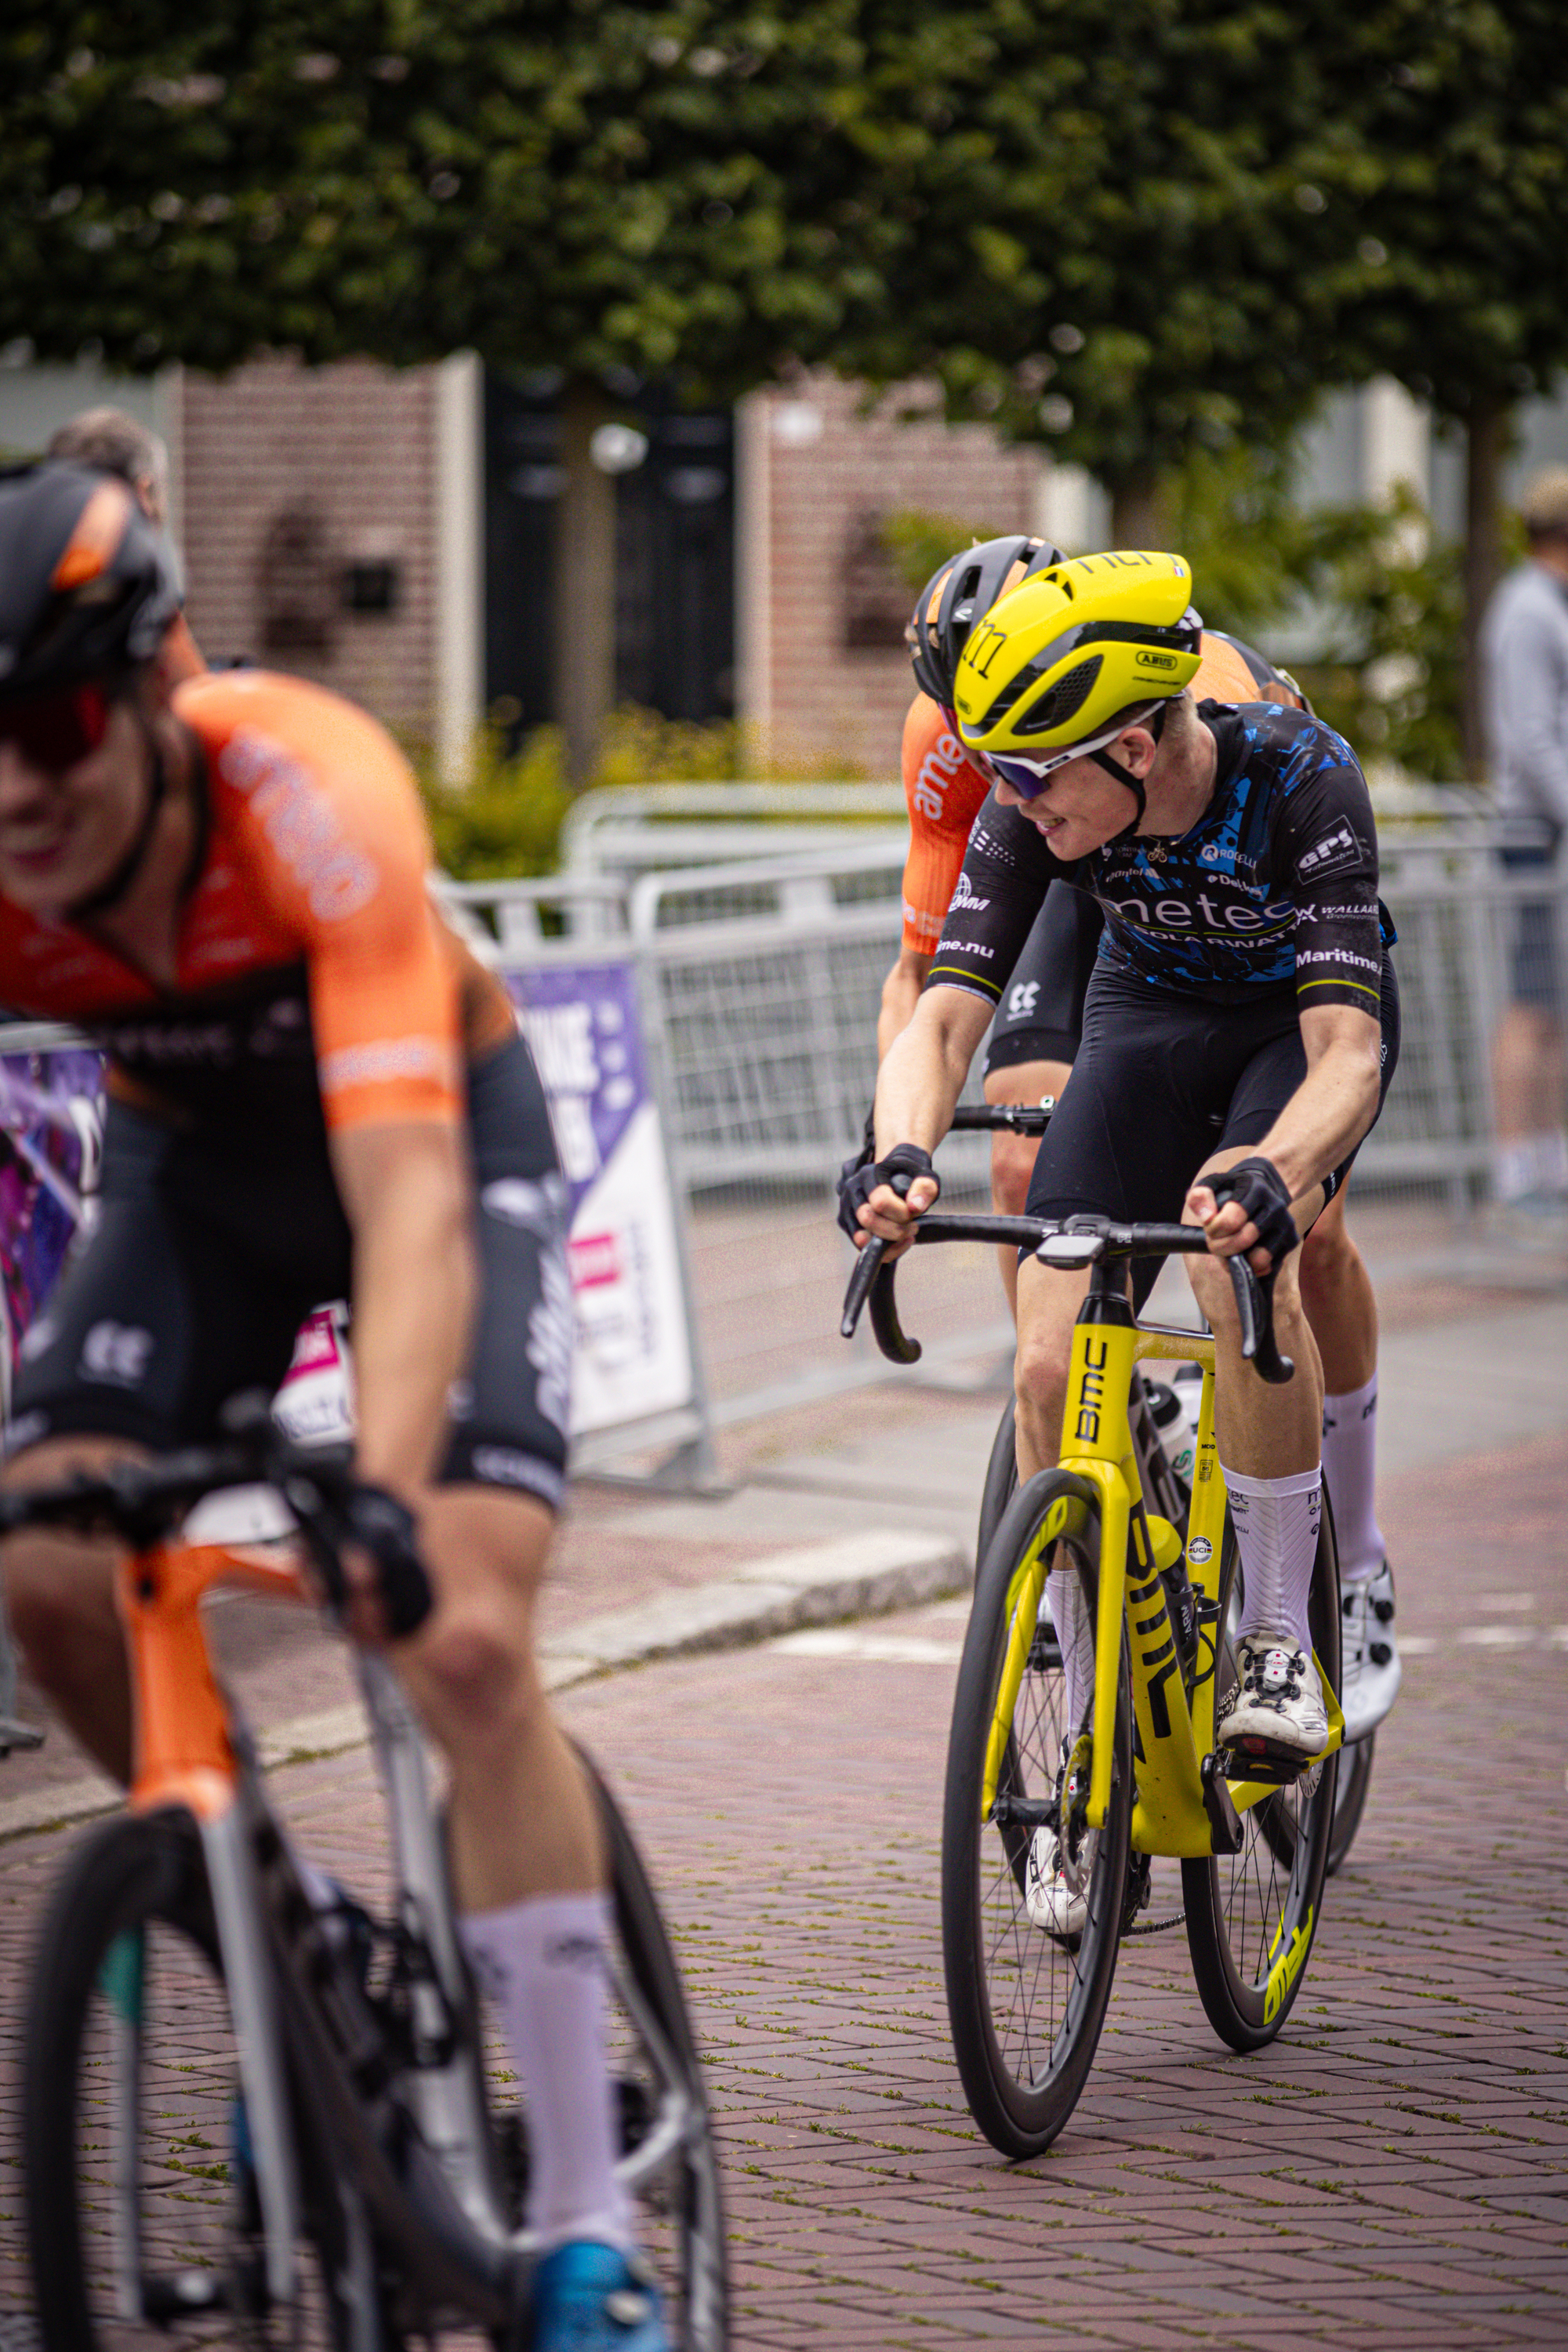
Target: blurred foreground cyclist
(1035,1036)
(314,1091)
(1239,1030)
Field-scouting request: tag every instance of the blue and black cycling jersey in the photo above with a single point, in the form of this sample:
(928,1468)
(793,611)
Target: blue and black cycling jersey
(1275,886)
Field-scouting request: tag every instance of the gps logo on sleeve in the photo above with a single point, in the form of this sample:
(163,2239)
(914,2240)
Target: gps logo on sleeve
(1332,855)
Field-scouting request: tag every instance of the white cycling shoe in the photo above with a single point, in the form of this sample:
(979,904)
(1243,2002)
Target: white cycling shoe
(1370,1669)
(1275,1709)
(1047,1898)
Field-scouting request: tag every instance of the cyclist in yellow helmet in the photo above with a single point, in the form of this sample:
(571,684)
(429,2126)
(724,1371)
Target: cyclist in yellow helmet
(1238,1033)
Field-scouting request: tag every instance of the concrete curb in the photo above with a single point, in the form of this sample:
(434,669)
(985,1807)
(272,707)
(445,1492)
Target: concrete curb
(863,1575)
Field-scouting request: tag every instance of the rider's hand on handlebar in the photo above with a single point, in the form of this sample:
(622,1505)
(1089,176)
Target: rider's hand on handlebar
(1246,1211)
(887,1197)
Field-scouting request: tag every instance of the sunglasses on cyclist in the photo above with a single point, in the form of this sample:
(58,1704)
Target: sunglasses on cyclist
(1029,777)
(56,731)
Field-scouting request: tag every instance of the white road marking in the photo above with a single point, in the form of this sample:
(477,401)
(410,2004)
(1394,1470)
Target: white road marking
(865,1646)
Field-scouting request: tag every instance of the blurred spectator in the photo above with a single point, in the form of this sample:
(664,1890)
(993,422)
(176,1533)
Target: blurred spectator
(1526,648)
(112,443)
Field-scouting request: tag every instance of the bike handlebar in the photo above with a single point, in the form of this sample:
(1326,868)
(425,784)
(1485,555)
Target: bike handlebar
(143,1502)
(1081,1241)
(1013,1119)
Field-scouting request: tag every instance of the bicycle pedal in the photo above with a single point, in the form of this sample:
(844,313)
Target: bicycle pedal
(1256,1758)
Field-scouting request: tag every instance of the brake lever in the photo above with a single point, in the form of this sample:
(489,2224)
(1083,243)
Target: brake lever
(1254,1308)
(872,1277)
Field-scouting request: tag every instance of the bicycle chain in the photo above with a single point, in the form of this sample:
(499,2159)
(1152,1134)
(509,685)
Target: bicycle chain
(1154,1926)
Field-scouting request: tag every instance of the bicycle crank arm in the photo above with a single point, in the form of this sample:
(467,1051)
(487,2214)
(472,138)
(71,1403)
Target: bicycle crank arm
(1010,1812)
(1220,1806)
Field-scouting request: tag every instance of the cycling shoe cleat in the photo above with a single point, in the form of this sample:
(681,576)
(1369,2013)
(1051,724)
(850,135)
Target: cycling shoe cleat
(1049,1901)
(589,2297)
(1371,1670)
(1275,1710)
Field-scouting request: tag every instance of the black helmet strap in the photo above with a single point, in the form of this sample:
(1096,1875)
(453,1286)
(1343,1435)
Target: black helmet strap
(117,885)
(1155,723)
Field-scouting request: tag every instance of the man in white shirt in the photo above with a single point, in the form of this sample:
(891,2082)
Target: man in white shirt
(1526,648)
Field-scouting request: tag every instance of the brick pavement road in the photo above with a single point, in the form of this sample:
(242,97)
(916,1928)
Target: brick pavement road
(1400,2149)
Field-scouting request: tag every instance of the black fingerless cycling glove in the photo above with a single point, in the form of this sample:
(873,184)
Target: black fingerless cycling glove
(387,1529)
(1261,1190)
(860,1179)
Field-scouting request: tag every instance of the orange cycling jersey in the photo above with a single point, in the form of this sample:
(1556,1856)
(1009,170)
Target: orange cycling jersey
(943,789)
(313,975)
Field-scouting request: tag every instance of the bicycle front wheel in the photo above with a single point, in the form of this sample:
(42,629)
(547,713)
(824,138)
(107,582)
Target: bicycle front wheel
(1252,1915)
(669,2151)
(1027,2000)
(143,2221)
(1001,1480)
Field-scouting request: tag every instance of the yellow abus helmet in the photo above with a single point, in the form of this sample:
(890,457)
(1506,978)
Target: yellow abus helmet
(1059,666)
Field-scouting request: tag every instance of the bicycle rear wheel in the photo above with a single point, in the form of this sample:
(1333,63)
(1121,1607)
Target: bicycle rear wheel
(143,2225)
(1252,1915)
(1350,1798)
(1026,2004)
(668,2150)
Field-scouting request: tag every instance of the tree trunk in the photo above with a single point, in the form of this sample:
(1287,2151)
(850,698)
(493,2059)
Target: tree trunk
(585,582)
(1138,510)
(1485,442)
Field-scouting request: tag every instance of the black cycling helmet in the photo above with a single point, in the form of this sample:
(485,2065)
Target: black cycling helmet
(959,593)
(87,584)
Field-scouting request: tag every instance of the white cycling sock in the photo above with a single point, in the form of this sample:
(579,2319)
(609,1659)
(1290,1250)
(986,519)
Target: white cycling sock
(1276,1524)
(1075,1639)
(543,1964)
(1350,1469)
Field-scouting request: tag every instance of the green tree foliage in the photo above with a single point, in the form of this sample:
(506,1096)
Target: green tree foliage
(1113,245)
(1454,167)
(586,186)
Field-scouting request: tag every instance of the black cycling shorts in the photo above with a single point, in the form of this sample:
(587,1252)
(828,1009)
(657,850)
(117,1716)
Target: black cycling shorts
(208,1253)
(1040,1017)
(1162,1083)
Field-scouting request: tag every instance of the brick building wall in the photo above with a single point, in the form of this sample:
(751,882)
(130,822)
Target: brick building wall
(825,670)
(299,486)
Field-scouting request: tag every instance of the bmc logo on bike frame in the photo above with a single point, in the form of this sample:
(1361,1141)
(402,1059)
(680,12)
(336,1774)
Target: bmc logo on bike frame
(1092,1392)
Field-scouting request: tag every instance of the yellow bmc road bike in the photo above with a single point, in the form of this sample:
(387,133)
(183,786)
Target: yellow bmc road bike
(250,2121)
(1137,1773)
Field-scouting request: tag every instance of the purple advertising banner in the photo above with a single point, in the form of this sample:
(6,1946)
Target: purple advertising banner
(51,1127)
(632,1352)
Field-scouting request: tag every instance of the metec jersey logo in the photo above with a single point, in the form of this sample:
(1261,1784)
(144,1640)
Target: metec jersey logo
(1332,855)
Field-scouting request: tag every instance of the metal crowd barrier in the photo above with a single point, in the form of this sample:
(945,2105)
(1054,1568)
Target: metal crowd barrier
(760,979)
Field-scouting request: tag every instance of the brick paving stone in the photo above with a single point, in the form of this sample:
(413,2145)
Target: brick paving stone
(1390,2169)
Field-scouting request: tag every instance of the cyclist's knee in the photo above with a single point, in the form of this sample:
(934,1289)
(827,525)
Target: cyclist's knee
(1012,1165)
(1040,1376)
(473,1662)
(1212,1288)
(56,1602)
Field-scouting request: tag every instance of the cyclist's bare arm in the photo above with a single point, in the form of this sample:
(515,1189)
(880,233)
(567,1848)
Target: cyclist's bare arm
(918,1091)
(406,1190)
(1323,1122)
(900,995)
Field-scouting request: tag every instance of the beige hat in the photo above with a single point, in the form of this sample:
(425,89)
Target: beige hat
(1544,506)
